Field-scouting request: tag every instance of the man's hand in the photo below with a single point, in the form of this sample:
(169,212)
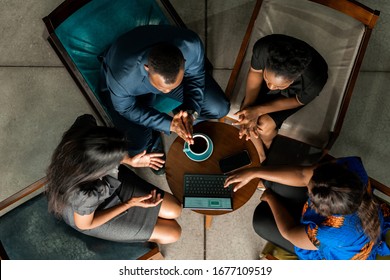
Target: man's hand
(182,126)
(188,122)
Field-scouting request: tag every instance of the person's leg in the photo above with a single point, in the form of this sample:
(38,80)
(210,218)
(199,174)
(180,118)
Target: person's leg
(170,207)
(215,105)
(266,126)
(267,129)
(165,231)
(263,220)
(139,138)
(269,124)
(258,143)
(265,226)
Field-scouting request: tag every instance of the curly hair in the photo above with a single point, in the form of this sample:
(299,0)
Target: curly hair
(83,156)
(166,60)
(337,190)
(288,60)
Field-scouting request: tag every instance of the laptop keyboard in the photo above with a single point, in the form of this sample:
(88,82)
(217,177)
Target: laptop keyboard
(206,185)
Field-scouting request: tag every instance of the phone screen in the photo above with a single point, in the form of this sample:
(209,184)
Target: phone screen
(234,162)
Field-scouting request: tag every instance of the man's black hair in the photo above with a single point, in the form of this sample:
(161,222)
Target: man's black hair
(288,60)
(166,60)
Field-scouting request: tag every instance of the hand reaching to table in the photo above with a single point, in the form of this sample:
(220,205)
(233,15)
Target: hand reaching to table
(143,159)
(241,178)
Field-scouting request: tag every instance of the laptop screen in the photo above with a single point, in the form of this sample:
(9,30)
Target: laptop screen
(206,191)
(207,203)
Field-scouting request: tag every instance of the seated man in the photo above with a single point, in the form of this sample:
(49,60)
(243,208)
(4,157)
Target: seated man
(153,61)
(285,74)
(338,218)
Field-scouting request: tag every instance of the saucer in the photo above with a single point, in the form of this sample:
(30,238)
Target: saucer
(201,157)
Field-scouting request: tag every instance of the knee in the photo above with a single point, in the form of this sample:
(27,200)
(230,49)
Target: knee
(266,127)
(173,212)
(171,207)
(222,109)
(175,232)
(217,109)
(169,231)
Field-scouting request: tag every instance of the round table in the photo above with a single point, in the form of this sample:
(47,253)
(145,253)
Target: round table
(226,142)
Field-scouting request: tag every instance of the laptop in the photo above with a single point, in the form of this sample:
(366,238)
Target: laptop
(206,192)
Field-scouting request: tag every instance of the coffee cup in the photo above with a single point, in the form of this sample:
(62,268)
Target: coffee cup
(201,149)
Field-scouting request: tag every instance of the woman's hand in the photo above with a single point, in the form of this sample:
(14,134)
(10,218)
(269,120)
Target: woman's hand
(241,178)
(247,131)
(248,116)
(99,217)
(247,120)
(143,159)
(151,200)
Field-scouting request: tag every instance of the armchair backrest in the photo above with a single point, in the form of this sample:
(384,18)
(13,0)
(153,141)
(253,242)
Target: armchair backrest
(339,30)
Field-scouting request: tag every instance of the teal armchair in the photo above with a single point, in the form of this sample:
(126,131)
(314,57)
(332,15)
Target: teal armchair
(29,232)
(81,30)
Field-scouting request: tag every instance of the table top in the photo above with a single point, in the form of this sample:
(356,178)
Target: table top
(226,142)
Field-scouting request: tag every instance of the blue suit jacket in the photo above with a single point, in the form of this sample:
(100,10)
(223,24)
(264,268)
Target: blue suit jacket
(126,78)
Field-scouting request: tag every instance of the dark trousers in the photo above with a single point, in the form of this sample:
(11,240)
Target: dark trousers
(263,220)
(141,138)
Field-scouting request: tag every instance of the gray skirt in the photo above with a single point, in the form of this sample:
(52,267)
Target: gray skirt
(135,224)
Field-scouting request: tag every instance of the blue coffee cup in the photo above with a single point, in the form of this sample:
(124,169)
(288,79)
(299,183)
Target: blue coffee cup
(201,149)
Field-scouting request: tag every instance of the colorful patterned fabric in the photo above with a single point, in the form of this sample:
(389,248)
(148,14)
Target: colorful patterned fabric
(341,237)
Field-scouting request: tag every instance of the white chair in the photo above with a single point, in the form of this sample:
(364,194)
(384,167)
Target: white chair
(339,30)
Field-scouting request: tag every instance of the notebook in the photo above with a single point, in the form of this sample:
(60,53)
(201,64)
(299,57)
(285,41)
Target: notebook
(206,192)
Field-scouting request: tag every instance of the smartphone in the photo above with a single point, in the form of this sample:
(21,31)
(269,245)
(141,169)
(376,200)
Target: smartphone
(235,161)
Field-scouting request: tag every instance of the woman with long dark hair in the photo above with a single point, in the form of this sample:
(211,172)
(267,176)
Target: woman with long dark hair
(339,220)
(91,187)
